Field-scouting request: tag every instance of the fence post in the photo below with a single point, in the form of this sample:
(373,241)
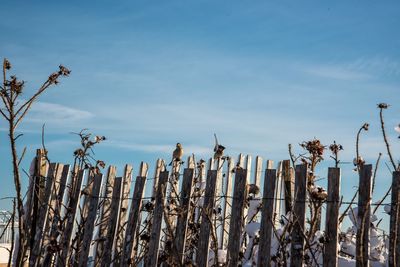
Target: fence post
(54,213)
(258,171)
(74,193)
(42,216)
(93,200)
(206,217)
(332,215)
(181,226)
(237,217)
(154,243)
(363,216)
(267,211)
(123,210)
(288,181)
(112,222)
(394,237)
(227,204)
(105,211)
(299,209)
(128,252)
(36,196)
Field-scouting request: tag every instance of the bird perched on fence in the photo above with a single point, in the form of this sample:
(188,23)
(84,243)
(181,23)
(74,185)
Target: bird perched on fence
(177,154)
(218,149)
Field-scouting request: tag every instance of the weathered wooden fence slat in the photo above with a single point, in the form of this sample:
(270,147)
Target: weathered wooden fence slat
(92,207)
(236,223)
(154,243)
(54,213)
(279,188)
(186,193)
(206,217)
(258,171)
(36,185)
(123,211)
(133,223)
(363,215)
(74,194)
(332,216)
(299,209)
(227,204)
(112,223)
(105,212)
(267,213)
(288,182)
(42,217)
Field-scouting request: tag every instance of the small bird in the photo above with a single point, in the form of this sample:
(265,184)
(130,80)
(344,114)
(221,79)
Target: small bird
(177,154)
(218,149)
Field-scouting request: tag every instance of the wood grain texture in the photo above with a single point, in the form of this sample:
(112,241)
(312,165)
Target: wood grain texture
(267,211)
(332,216)
(299,209)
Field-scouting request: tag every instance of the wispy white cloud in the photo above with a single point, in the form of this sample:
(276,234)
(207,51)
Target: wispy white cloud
(377,64)
(337,73)
(56,113)
(158,148)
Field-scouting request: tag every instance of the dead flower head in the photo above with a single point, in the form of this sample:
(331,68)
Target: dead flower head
(64,71)
(314,147)
(335,148)
(6,64)
(383,105)
(365,126)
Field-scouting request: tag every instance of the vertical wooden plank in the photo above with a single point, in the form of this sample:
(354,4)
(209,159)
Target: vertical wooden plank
(123,211)
(240,161)
(181,226)
(105,211)
(258,171)
(159,167)
(128,252)
(363,216)
(41,170)
(332,216)
(248,168)
(394,238)
(74,195)
(52,223)
(278,194)
(237,217)
(288,183)
(227,204)
(206,217)
(112,222)
(42,216)
(93,199)
(267,211)
(154,243)
(299,209)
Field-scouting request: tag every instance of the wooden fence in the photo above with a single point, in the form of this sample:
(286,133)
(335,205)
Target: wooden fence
(77,218)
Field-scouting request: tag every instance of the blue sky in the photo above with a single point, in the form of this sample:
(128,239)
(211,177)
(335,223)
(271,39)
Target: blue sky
(260,74)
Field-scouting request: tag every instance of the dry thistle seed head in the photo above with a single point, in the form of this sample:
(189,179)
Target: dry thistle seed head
(64,71)
(383,105)
(314,147)
(335,148)
(6,64)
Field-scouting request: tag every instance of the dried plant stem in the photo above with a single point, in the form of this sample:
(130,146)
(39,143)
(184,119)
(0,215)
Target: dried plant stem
(375,171)
(348,207)
(385,138)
